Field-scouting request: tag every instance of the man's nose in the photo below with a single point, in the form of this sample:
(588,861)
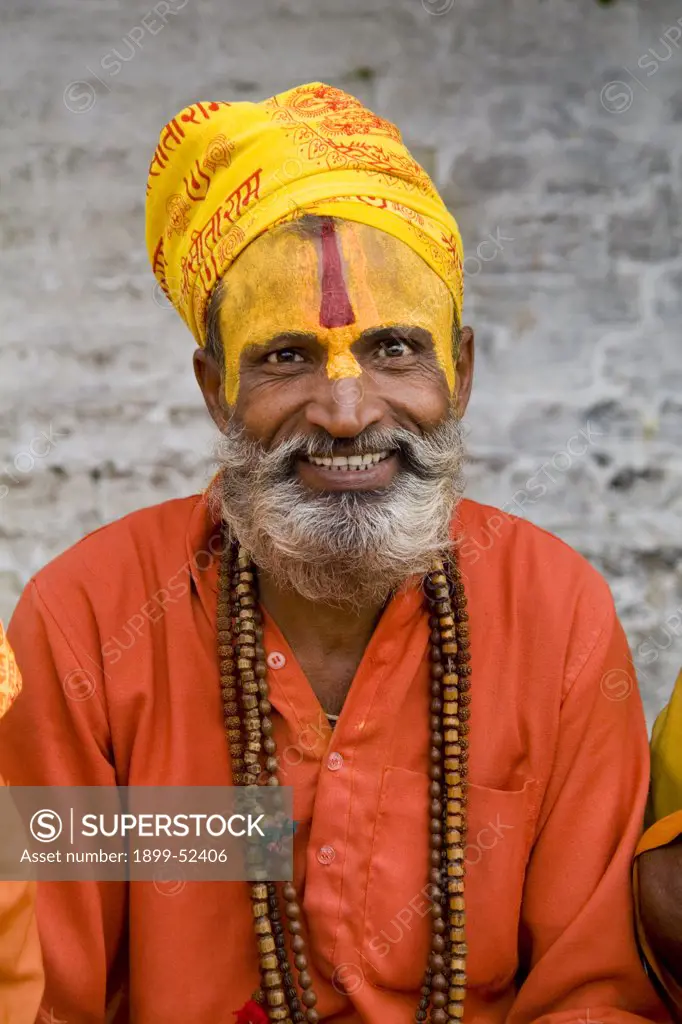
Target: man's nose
(344,407)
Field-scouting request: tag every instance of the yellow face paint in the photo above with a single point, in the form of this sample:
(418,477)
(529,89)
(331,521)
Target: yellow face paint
(351,279)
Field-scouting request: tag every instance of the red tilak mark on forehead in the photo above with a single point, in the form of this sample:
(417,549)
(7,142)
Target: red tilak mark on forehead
(335,307)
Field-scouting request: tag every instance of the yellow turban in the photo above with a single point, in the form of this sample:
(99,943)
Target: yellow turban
(10,680)
(223,173)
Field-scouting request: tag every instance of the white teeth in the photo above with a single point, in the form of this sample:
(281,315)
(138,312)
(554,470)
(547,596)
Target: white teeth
(353,463)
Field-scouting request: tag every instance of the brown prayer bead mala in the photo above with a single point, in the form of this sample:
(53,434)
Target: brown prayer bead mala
(249,729)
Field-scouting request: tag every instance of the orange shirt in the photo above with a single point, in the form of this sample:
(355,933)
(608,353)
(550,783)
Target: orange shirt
(21,970)
(116,639)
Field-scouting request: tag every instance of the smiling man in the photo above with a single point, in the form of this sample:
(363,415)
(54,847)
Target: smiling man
(433,678)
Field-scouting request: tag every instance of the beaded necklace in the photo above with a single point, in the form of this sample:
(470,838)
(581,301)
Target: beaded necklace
(249,729)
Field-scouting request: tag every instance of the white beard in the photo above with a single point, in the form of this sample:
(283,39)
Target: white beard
(341,548)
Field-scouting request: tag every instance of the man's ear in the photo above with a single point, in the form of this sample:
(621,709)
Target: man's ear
(464,370)
(210,380)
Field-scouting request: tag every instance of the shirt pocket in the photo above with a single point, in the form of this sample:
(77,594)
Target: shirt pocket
(396,927)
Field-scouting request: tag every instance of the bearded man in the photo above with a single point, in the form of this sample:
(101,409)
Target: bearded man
(431,677)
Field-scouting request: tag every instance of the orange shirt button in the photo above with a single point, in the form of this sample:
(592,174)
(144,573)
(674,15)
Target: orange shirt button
(276,659)
(335,762)
(326,854)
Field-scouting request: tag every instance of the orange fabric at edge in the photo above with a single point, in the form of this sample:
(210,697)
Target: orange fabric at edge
(21,968)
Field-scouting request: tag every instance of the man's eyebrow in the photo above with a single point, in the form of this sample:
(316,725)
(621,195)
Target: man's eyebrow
(408,331)
(281,336)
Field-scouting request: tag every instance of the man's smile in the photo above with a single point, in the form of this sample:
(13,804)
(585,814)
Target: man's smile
(348,472)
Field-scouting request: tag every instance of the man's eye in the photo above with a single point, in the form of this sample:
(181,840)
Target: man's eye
(284,355)
(393,347)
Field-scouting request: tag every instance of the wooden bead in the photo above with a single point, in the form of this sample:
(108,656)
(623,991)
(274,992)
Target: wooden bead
(293,911)
(271,979)
(275,997)
(308,998)
(289,892)
(439,1017)
(298,944)
(266,944)
(300,961)
(263,926)
(259,909)
(269,962)
(439,1000)
(312,1016)
(305,980)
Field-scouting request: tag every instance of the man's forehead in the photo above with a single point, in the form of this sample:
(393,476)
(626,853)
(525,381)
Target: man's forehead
(294,265)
